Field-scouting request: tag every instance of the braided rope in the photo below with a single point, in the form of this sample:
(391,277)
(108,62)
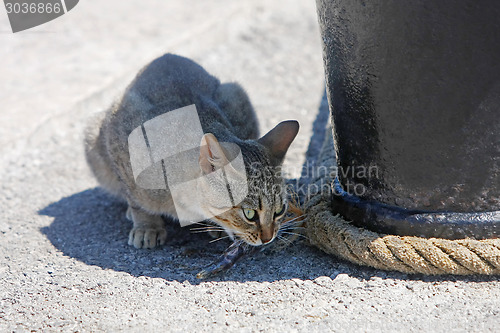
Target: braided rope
(408,254)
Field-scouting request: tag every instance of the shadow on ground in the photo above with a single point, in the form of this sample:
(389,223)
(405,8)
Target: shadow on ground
(91,227)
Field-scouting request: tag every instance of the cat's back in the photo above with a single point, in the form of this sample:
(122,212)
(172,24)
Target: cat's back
(173,75)
(167,83)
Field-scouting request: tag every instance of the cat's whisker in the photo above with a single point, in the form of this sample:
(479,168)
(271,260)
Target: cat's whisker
(218,239)
(290,227)
(301,217)
(208,228)
(289,231)
(294,234)
(283,239)
(207,224)
(201,231)
(295,219)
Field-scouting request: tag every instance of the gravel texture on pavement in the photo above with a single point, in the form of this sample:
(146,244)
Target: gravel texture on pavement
(64,261)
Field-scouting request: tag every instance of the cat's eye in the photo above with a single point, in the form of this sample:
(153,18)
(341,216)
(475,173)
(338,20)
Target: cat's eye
(280,211)
(250,214)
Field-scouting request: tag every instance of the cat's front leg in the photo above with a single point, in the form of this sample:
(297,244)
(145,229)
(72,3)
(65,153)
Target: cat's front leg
(148,231)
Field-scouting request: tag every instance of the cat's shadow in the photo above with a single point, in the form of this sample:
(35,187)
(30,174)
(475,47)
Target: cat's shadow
(91,227)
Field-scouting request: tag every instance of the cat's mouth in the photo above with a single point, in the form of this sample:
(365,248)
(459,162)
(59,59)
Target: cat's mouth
(255,241)
(249,239)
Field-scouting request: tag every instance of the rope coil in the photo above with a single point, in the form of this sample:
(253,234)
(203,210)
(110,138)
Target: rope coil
(407,254)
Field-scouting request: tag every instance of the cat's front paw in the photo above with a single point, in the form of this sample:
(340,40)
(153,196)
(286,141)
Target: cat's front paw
(147,238)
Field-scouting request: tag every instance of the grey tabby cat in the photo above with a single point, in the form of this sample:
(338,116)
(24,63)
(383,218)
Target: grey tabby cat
(226,115)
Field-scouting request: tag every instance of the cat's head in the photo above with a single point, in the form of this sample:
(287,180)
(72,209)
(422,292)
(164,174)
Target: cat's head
(256,218)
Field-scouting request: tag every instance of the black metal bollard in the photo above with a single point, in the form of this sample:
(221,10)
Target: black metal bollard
(414,95)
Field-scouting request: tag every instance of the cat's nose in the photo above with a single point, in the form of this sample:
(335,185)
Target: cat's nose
(266,235)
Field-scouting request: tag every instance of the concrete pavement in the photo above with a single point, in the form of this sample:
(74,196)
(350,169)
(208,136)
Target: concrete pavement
(64,261)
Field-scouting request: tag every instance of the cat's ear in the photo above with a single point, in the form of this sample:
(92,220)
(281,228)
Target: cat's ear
(212,155)
(279,139)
